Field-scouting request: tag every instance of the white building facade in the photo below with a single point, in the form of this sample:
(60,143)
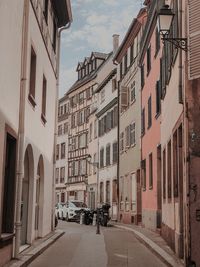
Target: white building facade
(28,88)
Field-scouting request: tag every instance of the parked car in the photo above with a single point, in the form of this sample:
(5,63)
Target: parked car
(72,209)
(59,210)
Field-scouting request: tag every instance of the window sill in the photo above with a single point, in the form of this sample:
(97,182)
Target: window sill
(6,236)
(44,120)
(144,189)
(150,187)
(32,100)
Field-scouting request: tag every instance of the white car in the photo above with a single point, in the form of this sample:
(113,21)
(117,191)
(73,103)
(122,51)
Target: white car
(59,210)
(71,209)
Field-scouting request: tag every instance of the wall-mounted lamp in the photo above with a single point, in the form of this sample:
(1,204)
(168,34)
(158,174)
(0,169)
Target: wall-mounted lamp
(165,18)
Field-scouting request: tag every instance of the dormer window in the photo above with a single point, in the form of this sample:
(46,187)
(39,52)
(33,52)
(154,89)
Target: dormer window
(79,74)
(93,64)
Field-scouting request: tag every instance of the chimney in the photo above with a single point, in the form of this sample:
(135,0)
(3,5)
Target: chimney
(115,42)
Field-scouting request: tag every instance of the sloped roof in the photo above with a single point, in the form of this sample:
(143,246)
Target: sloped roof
(89,77)
(106,80)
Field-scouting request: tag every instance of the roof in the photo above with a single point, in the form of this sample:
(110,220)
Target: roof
(106,80)
(89,77)
(63,11)
(130,35)
(99,55)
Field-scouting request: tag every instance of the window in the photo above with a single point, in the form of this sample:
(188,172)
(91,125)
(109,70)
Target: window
(32,77)
(132,134)
(158,97)
(73,123)
(125,63)
(62,197)
(59,130)
(88,93)
(45,12)
(148,60)
(142,76)
(115,116)
(44,95)
(95,166)
(83,167)
(175,164)
(149,113)
(143,167)
(62,150)
(114,191)
(107,192)
(95,129)
(115,153)
(132,53)
(114,84)
(150,171)
(54,35)
(57,151)
(102,158)
(108,155)
(90,136)
(127,134)
(82,141)
(81,97)
(124,98)
(57,175)
(157,41)
(81,117)
(164,174)
(73,101)
(121,70)
(132,93)
(121,142)
(65,127)
(143,122)
(169,170)
(76,168)
(8,198)
(102,95)
(62,175)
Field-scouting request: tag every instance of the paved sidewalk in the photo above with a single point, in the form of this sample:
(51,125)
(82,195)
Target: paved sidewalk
(154,242)
(40,245)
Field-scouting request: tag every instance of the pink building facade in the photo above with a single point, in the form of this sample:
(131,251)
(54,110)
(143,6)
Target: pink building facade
(150,123)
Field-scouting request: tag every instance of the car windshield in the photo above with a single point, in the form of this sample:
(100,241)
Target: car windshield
(79,204)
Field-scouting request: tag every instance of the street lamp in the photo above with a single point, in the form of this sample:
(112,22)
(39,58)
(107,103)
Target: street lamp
(96,164)
(165,18)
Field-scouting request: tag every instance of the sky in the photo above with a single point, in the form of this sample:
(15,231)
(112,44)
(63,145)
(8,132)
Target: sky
(94,23)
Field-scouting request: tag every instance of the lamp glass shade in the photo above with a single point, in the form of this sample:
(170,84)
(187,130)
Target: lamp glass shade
(165,19)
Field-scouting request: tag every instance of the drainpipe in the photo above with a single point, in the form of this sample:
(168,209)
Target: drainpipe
(20,149)
(55,123)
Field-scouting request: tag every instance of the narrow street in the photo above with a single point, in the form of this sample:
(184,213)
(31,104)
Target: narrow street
(80,246)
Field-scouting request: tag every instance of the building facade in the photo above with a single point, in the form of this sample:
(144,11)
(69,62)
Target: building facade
(130,122)
(28,94)
(107,147)
(61,171)
(80,97)
(150,121)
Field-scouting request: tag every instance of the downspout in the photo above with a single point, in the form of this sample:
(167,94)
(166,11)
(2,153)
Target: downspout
(20,149)
(55,123)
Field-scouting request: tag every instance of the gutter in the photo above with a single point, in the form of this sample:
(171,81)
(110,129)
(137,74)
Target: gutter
(56,121)
(20,148)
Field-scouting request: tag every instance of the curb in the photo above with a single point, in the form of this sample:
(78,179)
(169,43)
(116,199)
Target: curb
(156,249)
(29,256)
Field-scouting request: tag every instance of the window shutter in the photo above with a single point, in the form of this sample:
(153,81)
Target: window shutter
(124,98)
(194,39)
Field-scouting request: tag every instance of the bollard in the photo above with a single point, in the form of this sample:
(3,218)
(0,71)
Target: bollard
(81,218)
(94,221)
